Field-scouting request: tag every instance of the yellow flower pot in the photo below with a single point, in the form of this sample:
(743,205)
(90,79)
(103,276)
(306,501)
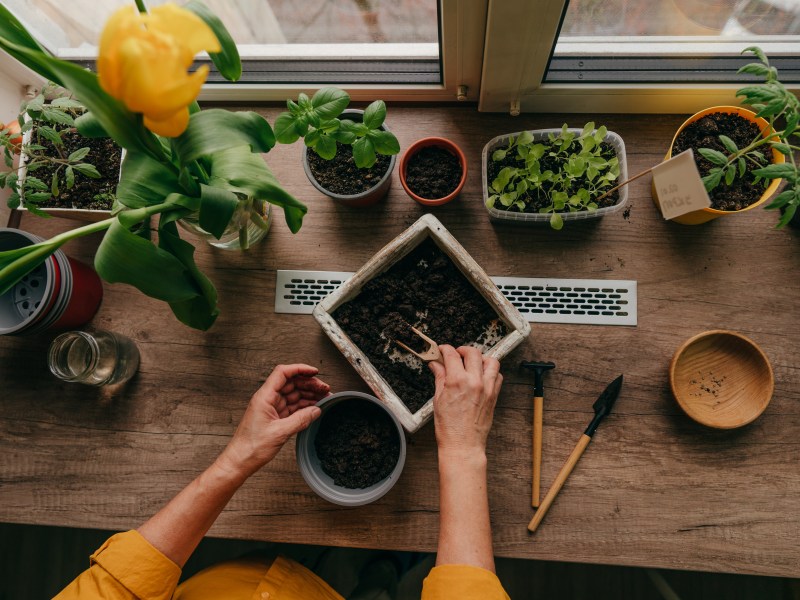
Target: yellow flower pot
(707,214)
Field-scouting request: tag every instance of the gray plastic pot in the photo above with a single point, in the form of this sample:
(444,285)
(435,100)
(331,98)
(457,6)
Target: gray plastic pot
(372,195)
(322,483)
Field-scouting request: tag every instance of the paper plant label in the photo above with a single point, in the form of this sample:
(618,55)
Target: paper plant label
(680,189)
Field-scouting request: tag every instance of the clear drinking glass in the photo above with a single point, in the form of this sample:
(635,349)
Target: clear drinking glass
(96,358)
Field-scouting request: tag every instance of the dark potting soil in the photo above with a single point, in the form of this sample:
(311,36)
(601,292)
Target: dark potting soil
(533,202)
(340,175)
(424,289)
(704,133)
(433,173)
(357,444)
(86,193)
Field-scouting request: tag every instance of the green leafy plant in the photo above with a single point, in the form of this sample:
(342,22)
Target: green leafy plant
(316,120)
(48,122)
(781,108)
(565,173)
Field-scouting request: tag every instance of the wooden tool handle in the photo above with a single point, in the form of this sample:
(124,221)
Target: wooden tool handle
(538,408)
(559,482)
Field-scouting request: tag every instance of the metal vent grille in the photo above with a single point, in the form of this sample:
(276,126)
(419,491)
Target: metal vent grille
(581,301)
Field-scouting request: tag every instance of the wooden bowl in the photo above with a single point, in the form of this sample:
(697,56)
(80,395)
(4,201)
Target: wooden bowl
(721,379)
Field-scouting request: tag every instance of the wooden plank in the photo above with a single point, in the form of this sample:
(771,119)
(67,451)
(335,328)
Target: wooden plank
(653,489)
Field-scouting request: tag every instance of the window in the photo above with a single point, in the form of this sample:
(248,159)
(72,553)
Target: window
(397,45)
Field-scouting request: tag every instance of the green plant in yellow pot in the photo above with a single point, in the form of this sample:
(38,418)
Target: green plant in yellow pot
(181,162)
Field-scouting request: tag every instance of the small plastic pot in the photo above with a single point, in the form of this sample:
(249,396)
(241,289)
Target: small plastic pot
(708,214)
(373,195)
(321,482)
(435,142)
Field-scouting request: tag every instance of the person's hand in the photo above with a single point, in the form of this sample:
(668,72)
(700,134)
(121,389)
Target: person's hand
(283,406)
(467,386)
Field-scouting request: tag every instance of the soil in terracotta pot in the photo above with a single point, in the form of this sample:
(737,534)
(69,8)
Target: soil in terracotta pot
(87,193)
(534,200)
(424,289)
(357,444)
(433,173)
(704,133)
(340,175)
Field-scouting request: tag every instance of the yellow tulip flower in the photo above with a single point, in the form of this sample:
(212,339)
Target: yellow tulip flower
(144,59)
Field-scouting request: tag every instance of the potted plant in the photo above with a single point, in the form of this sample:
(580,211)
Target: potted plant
(433,171)
(350,159)
(741,154)
(354,453)
(554,175)
(61,173)
(180,162)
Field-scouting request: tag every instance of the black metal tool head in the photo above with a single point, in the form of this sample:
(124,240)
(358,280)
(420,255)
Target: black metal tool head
(539,369)
(604,404)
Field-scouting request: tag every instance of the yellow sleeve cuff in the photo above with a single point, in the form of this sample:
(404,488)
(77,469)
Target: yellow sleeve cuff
(463,582)
(138,566)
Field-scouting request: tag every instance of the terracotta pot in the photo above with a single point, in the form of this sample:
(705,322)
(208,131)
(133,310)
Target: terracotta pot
(707,214)
(435,142)
(373,195)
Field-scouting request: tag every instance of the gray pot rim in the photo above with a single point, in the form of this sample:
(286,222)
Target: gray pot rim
(351,197)
(321,483)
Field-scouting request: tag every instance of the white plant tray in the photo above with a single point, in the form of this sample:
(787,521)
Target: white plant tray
(426,227)
(498,215)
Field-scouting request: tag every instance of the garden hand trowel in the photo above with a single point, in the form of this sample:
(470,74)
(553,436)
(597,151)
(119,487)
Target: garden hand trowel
(602,407)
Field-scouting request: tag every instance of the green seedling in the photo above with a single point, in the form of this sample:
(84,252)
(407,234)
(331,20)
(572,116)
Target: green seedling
(316,120)
(584,169)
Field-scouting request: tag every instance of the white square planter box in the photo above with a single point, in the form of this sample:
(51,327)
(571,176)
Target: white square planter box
(426,227)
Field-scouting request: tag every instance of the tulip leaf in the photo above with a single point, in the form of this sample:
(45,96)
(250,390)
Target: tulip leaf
(239,170)
(124,257)
(90,127)
(11,30)
(144,181)
(227,61)
(214,130)
(201,311)
(217,206)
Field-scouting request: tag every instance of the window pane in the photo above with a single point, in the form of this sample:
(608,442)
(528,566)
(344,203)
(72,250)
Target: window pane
(612,41)
(310,41)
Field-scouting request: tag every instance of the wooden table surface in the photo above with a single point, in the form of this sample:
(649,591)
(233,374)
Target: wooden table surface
(653,489)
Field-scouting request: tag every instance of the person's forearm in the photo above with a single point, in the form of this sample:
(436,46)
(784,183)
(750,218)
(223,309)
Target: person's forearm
(465,535)
(177,529)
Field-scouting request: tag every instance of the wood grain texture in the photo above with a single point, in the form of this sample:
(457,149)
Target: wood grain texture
(656,489)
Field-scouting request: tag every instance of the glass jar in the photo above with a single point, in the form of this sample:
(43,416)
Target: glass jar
(97,358)
(248,225)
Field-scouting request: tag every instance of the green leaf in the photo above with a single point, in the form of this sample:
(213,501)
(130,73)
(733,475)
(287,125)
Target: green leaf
(758,52)
(556,222)
(35,183)
(69,175)
(729,144)
(214,130)
(50,134)
(201,311)
(491,200)
(782,199)
(89,126)
(730,174)
(385,143)
(144,181)
(285,129)
(498,155)
(54,184)
(79,154)
(15,33)
(343,136)
(781,171)
(364,153)
(525,138)
(312,138)
(791,124)
(508,198)
(87,170)
(787,216)
(716,157)
(329,102)
(754,69)
(587,129)
(239,170)
(67,103)
(227,59)
(742,166)
(56,116)
(375,114)
(326,147)
(217,206)
(127,258)
(784,149)
(712,180)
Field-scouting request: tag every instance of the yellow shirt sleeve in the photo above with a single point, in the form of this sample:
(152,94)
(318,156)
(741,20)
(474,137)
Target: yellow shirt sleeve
(462,582)
(125,567)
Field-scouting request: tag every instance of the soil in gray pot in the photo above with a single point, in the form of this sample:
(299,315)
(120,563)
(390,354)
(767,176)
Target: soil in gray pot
(704,133)
(433,173)
(424,289)
(357,444)
(340,175)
